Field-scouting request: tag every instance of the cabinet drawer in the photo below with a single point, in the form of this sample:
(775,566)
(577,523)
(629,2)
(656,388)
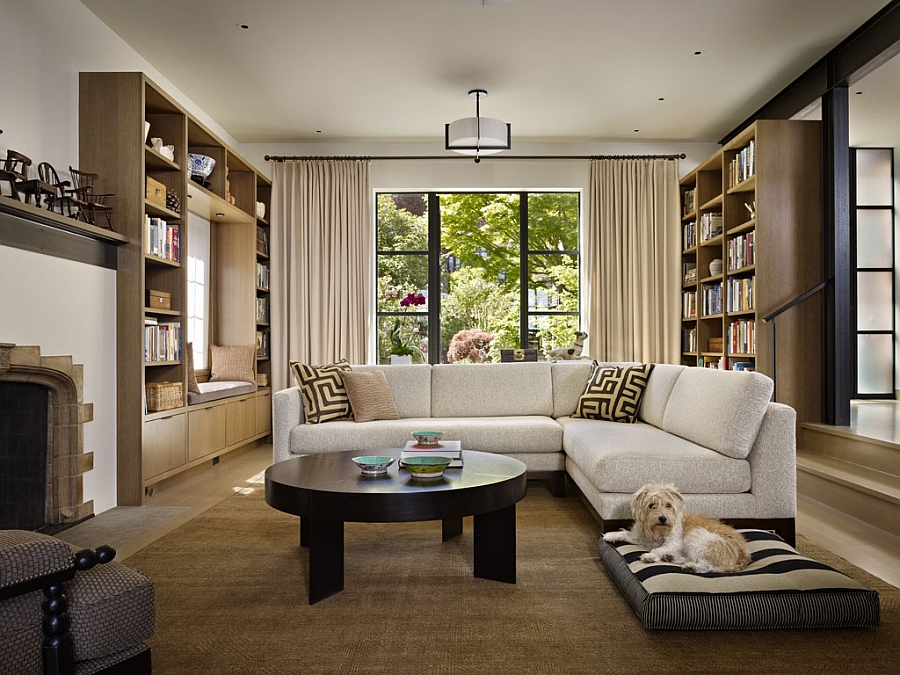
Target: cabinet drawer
(263,413)
(206,431)
(165,444)
(240,423)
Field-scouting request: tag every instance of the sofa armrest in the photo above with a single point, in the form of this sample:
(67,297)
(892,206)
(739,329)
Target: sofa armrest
(773,463)
(287,406)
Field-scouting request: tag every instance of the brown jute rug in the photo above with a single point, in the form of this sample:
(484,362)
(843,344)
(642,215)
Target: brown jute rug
(232,598)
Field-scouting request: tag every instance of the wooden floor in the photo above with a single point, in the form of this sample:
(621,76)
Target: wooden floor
(867,547)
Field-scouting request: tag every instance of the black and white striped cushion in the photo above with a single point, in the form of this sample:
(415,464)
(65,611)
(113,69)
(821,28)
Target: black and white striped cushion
(779,589)
(614,393)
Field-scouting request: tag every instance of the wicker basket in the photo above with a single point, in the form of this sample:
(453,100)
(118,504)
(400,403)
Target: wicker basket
(163,396)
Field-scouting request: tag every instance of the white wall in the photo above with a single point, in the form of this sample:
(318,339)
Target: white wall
(62,306)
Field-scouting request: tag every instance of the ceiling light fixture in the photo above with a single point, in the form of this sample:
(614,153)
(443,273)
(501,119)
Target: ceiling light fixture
(477,135)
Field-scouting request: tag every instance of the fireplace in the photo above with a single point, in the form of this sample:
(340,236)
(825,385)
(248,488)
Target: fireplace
(42,440)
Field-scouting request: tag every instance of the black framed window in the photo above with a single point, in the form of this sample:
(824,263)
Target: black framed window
(461,276)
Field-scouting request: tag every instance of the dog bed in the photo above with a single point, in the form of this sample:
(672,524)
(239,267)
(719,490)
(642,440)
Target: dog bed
(779,589)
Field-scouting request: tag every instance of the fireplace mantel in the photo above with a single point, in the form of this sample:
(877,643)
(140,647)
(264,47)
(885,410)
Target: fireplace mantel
(42,231)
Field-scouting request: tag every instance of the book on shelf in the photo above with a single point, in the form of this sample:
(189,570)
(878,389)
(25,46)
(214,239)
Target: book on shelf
(162,239)
(262,276)
(689,270)
(451,449)
(690,201)
(710,226)
(742,365)
(689,235)
(743,165)
(262,241)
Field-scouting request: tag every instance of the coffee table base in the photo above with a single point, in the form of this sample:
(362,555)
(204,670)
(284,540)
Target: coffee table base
(494,549)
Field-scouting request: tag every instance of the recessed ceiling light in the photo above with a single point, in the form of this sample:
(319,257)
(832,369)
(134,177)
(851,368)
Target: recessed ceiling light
(858,93)
(637,131)
(318,131)
(697,53)
(661,98)
(243,26)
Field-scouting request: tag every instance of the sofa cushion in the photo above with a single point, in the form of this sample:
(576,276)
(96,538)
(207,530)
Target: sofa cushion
(656,395)
(410,387)
(213,391)
(569,380)
(719,409)
(323,392)
(491,389)
(622,458)
(528,434)
(614,393)
(231,363)
(370,396)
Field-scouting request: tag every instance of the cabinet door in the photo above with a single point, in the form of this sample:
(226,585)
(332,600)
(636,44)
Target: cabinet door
(165,444)
(263,412)
(206,431)
(240,420)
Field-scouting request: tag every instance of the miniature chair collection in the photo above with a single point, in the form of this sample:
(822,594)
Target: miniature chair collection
(76,199)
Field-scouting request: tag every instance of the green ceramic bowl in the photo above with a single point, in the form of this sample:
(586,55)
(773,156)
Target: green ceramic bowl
(425,467)
(373,465)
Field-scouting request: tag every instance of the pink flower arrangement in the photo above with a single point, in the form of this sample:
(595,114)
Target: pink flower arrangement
(413,300)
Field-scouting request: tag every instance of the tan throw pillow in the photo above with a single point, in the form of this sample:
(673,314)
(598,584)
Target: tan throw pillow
(231,364)
(370,396)
(324,395)
(614,393)
(193,385)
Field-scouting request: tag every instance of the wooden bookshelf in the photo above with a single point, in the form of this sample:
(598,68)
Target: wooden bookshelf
(766,183)
(113,107)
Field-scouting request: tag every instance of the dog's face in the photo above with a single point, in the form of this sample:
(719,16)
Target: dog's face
(656,509)
(581,335)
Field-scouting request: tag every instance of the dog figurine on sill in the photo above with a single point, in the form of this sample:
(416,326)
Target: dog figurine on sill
(694,542)
(572,353)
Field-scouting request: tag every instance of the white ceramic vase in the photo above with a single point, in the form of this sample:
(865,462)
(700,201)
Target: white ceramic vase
(397,360)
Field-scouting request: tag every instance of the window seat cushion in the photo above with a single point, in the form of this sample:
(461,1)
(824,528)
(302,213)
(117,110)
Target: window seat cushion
(212,391)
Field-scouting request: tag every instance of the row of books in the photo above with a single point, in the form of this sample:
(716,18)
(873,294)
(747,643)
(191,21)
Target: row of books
(262,343)
(262,310)
(724,363)
(742,251)
(711,299)
(262,276)
(743,165)
(689,235)
(742,337)
(710,226)
(690,202)
(162,239)
(162,342)
(741,294)
(689,305)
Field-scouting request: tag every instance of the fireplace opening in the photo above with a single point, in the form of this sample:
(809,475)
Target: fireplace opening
(23,456)
(42,456)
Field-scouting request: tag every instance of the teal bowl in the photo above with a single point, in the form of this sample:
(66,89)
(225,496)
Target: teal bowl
(431,438)
(425,467)
(373,465)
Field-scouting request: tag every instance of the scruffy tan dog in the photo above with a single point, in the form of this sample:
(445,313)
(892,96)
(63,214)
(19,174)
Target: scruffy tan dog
(696,543)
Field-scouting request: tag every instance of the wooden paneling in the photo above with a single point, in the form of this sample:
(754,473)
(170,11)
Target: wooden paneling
(206,431)
(164,444)
(240,423)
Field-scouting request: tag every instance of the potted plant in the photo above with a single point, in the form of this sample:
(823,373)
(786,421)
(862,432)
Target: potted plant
(403,347)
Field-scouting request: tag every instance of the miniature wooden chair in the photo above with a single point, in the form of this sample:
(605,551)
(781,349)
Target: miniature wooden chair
(60,199)
(89,203)
(17,165)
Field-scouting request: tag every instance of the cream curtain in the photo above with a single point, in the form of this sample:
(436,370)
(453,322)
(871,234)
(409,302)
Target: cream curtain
(632,261)
(321,248)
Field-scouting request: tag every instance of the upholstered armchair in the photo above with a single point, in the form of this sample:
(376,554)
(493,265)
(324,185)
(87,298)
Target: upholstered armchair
(71,612)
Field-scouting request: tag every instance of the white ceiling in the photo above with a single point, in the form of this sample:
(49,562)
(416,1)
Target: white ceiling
(557,70)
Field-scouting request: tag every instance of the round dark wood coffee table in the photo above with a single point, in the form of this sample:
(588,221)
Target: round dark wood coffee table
(326,490)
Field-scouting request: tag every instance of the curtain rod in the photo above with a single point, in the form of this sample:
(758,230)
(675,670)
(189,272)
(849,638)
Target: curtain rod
(294,158)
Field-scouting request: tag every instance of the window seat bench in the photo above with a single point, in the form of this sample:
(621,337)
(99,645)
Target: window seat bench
(213,391)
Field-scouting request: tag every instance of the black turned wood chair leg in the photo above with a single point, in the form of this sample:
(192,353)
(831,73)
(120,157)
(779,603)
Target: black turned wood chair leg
(59,650)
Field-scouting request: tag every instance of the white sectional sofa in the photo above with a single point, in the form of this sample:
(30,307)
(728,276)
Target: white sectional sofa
(714,434)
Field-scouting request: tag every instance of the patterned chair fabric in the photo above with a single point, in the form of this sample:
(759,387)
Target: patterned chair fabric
(111,607)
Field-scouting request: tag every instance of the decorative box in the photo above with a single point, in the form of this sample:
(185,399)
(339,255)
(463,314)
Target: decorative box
(511,355)
(158,299)
(163,396)
(716,344)
(156,192)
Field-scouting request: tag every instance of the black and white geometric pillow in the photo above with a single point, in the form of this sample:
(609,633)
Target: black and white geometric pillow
(324,395)
(614,393)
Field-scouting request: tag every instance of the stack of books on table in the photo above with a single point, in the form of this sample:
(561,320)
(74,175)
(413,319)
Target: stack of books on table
(451,449)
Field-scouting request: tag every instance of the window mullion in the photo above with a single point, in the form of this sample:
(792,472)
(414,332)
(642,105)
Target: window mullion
(434,278)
